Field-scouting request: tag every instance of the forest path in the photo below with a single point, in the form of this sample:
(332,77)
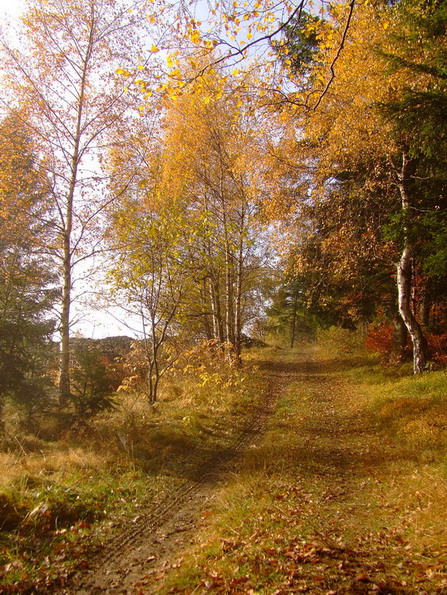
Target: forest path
(339,515)
(156,536)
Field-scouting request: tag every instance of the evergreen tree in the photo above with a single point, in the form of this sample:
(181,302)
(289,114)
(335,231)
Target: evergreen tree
(27,292)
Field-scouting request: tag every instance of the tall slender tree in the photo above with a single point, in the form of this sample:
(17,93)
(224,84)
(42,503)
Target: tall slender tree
(64,71)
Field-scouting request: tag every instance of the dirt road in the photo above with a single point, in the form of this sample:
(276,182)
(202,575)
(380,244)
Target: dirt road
(343,518)
(156,536)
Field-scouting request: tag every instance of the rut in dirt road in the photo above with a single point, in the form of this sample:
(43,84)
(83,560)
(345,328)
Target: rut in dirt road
(155,536)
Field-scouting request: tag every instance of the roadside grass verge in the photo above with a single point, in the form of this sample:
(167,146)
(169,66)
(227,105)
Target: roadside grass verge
(335,502)
(409,410)
(410,415)
(60,500)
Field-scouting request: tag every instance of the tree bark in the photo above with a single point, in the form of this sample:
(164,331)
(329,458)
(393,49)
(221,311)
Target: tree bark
(401,337)
(294,318)
(64,361)
(404,275)
(229,298)
(218,329)
(238,301)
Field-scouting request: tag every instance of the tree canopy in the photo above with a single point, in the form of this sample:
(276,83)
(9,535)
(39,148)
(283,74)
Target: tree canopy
(225,164)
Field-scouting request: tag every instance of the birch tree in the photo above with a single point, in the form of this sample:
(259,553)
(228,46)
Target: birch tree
(64,72)
(211,165)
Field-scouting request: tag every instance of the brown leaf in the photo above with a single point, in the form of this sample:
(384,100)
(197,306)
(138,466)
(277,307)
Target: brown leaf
(362,578)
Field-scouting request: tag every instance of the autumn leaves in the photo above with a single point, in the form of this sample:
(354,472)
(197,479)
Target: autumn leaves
(180,136)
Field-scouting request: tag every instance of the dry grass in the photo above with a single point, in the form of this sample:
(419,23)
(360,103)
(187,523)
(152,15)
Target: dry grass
(332,500)
(54,494)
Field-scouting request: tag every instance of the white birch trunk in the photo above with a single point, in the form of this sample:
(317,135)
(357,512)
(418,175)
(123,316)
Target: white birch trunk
(404,277)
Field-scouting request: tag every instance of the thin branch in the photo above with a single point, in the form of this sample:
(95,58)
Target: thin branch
(239,51)
(337,55)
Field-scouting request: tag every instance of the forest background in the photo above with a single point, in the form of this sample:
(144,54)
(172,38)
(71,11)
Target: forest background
(288,156)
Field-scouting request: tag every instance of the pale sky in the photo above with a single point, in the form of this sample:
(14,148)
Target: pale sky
(11,7)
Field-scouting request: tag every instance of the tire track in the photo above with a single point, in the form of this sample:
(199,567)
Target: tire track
(210,472)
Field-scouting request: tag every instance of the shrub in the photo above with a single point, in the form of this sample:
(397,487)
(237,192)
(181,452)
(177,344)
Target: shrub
(437,345)
(93,382)
(380,339)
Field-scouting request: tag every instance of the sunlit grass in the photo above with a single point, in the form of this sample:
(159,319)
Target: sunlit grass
(285,522)
(412,410)
(60,498)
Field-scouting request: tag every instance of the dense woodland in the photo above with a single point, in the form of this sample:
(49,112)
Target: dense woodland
(253,168)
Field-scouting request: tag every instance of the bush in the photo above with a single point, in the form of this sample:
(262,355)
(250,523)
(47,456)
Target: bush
(93,382)
(437,346)
(380,339)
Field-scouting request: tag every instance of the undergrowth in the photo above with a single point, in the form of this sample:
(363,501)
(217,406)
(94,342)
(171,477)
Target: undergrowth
(60,499)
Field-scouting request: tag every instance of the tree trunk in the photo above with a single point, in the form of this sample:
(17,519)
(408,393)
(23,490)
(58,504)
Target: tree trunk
(64,361)
(229,298)
(401,337)
(404,276)
(153,375)
(207,309)
(64,372)
(218,329)
(294,318)
(238,304)
(414,329)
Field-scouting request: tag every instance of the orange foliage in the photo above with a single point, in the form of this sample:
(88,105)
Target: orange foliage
(380,339)
(437,347)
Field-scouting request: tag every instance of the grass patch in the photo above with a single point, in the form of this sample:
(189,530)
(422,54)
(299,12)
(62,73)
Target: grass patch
(410,410)
(60,500)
